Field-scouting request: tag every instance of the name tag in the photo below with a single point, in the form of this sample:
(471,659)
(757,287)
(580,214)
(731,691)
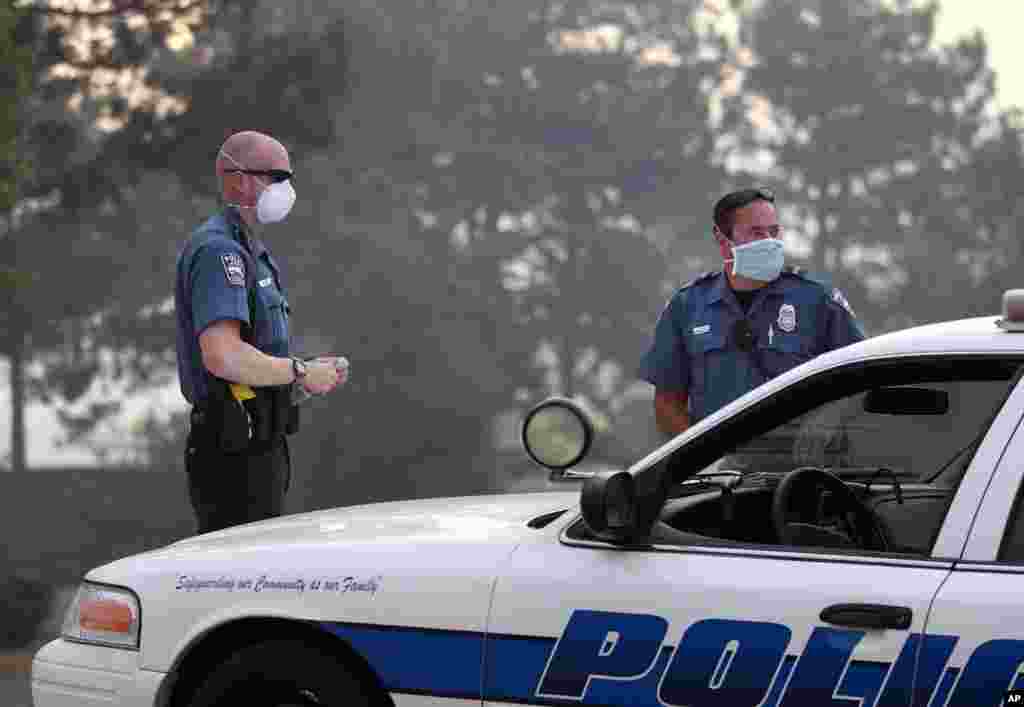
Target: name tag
(266,282)
(702,329)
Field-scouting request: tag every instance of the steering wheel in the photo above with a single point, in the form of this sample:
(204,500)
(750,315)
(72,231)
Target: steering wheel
(863,531)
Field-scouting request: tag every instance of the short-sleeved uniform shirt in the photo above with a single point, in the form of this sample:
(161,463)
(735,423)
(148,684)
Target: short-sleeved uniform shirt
(694,349)
(224,274)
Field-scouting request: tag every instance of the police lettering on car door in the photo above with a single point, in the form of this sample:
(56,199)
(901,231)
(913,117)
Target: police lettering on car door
(747,663)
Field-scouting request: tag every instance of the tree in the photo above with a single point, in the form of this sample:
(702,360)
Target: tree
(396,258)
(961,252)
(16,60)
(62,122)
(460,146)
(862,121)
(16,65)
(571,132)
(108,120)
(525,176)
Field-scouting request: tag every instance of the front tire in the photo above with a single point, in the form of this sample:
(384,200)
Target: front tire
(282,673)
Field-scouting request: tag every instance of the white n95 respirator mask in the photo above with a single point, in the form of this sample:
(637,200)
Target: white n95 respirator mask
(275,202)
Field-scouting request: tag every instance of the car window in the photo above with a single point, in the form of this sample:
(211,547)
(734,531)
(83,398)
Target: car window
(901,435)
(849,439)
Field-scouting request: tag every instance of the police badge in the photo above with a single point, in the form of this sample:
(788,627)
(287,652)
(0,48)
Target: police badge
(787,318)
(234,268)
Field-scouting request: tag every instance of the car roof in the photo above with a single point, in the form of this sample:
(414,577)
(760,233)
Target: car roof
(976,334)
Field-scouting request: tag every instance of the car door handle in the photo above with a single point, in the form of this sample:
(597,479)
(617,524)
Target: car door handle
(868,615)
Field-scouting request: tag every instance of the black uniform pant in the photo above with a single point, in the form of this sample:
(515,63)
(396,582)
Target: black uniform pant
(228,489)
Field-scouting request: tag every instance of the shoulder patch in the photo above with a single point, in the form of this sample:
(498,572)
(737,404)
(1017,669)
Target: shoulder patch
(234,269)
(802,273)
(699,278)
(821,281)
(839,299)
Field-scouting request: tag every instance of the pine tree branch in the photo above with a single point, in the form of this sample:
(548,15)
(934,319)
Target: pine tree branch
(101,62)
(178,7)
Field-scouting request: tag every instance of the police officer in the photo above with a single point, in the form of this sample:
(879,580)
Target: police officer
(727,332)
(234,361)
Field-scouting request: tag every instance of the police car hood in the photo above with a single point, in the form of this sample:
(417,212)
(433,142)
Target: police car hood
(467,519)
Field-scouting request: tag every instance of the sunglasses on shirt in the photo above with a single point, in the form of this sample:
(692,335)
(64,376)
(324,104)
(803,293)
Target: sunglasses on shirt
(744,336)
(274,175)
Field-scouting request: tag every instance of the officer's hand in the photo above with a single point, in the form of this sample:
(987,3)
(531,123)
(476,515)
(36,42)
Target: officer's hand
(321,376)
(340,363)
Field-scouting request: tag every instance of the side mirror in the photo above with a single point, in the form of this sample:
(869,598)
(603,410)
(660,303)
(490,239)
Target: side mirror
(903,400)
(557,434)
(609,506)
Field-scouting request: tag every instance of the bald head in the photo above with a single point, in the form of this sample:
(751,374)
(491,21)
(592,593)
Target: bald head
(251,150)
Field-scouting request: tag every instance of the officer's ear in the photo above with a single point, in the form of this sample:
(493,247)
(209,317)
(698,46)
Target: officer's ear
(228,180)
(234,184)
(724,243)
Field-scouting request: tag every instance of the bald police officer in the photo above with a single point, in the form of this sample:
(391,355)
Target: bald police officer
(727,332)
(234,360)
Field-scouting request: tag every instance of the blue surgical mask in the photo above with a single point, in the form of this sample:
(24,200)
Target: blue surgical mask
(761,260)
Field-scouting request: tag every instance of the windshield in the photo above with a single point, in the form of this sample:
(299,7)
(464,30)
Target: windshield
(851,438)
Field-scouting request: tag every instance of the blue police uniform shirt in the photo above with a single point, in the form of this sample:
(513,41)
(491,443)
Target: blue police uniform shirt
(219,269)
(793,318)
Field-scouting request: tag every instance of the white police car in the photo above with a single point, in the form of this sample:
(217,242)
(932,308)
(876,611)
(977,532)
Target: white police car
(850,533)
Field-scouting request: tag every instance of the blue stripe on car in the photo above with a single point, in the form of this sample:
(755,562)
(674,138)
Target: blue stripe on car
(518,669)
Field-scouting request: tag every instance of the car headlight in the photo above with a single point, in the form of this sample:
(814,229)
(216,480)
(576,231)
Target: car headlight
(103,615)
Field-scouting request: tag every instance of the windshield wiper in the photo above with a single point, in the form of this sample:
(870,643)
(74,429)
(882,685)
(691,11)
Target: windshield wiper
(545,519)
